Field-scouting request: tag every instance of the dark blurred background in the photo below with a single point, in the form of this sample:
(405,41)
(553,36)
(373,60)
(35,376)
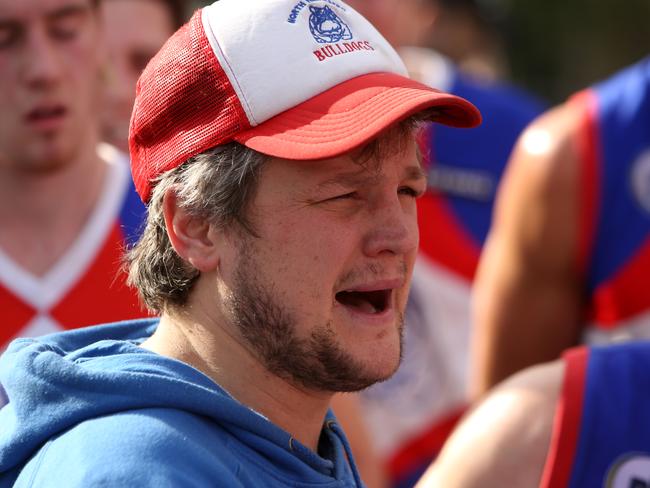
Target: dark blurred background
(550,47)
(555,47)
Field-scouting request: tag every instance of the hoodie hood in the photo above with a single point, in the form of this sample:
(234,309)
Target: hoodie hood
(55,382)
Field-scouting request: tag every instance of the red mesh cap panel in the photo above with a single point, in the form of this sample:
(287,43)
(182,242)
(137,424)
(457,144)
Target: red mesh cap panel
(185,104)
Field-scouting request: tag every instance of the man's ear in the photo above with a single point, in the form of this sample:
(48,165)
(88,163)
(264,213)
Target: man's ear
(193,238)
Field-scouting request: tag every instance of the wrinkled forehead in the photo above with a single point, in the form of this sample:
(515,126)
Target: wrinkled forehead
(396,153)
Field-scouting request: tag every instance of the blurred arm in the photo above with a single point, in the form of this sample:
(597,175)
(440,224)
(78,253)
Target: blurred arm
(505,439)
(348,412)
(527,297)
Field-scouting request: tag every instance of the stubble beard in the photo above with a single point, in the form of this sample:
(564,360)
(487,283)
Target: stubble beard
(318,362)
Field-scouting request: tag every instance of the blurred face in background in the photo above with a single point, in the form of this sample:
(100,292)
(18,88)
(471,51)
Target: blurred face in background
(49,82)
(401,22)
(134,30)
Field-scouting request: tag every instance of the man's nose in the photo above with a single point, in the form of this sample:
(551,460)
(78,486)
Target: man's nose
(393,228)
(42,63)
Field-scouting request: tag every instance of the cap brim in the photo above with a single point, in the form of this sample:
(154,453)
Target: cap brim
(352,113)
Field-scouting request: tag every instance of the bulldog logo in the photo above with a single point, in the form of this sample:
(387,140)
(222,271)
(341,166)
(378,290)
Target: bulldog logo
(629,471)
(326,26)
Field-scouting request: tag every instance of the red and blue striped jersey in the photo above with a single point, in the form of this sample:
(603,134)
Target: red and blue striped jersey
(602,429)
(615,205)
(86,285)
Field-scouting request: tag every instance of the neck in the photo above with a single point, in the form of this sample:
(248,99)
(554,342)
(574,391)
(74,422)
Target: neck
(43,212)
(203,342)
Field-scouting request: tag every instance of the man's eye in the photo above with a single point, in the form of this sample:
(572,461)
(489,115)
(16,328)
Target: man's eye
(67,27)
(410,191)
(344,196)
(63,34)
(8,36)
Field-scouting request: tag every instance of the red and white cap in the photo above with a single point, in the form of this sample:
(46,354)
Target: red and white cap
(295,79)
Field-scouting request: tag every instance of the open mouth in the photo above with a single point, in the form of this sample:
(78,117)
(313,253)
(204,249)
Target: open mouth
(370,302)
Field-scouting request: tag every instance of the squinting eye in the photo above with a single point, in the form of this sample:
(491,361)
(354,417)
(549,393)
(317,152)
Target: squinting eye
(411,192)
(345,196)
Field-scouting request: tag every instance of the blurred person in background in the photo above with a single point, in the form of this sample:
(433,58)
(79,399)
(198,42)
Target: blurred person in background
(410,415)
(68,206)
(567,260)
(459,30)
(35,306)
(577,422)
(134,31)
(463,32)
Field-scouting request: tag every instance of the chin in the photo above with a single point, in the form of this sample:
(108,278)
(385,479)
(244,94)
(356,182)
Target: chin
(379,363)
(50,158)
(388,364)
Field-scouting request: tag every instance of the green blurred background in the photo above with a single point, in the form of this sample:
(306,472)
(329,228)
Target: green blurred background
(555,47)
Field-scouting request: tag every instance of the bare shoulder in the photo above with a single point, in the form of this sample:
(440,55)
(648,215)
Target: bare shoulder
(504,440)
(546,153)
(537,205)
(528,301)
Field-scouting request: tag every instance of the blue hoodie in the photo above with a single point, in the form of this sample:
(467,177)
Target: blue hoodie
(90,408)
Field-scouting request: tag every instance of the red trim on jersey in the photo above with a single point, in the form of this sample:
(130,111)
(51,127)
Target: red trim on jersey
(424,448)
(443,239)
(589,159)
(15,315)
(101,295)
(566,425)
(619,299)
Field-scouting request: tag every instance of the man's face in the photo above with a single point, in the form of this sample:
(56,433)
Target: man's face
(49,81)
(320,293)
(130,43)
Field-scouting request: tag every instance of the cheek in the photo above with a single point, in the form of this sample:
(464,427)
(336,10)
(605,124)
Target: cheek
(9,82)
(310,257)
(12,103)
(414,228)
(410,212)
(313,234)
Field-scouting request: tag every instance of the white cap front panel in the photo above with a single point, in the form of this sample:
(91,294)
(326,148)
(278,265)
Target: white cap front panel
(279,53)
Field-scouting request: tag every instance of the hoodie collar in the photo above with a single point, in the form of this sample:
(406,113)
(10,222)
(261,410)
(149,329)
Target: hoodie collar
(60,380)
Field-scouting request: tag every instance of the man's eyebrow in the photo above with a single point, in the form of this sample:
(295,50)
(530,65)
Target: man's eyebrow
(348,179)
(362,177)
(67,10)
